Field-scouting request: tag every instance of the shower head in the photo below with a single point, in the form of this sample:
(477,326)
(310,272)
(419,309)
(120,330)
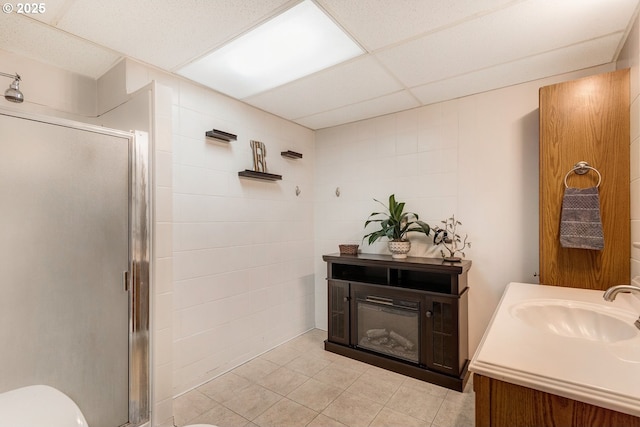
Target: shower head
(13,94)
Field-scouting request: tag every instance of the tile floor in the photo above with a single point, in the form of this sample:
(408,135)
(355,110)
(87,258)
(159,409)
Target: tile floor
(300,384)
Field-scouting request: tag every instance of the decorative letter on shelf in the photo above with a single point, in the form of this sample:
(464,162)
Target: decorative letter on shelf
(259,171)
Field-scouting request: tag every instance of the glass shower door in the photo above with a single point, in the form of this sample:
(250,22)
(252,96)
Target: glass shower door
(64,251)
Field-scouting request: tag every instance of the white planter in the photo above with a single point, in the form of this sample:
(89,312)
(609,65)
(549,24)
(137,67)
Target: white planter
(399,249)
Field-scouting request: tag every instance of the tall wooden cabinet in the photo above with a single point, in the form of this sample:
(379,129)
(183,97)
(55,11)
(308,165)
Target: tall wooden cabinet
(580,120)
(586,120)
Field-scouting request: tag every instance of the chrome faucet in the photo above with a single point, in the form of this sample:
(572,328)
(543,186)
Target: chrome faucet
(611,293)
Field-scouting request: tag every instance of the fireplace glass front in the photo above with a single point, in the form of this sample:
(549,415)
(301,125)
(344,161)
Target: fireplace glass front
(389,326)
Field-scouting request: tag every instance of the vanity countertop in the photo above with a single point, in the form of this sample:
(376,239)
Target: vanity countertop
(548,348)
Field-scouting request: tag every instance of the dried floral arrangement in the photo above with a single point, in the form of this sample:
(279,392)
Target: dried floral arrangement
(450,239)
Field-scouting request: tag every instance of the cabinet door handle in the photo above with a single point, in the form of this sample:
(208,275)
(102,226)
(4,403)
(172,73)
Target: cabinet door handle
(345,299)
(429,313)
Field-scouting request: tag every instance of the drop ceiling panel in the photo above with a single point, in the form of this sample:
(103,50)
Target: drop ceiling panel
(526,29)
(439,49)
(348,83)
(166,34)
(576,57)
(54,9)
(388,104)
(380,23)
(26,37)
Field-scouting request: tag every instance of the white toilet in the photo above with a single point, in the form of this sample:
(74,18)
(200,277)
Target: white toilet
(39,406)
(43,406)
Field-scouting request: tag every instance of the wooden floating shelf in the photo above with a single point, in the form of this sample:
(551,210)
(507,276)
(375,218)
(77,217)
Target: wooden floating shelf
(221,135)
(247,173)
(291,154)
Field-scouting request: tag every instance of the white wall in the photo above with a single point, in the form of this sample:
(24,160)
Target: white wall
(475,157)
(49,90)
(630,58)
(243,249)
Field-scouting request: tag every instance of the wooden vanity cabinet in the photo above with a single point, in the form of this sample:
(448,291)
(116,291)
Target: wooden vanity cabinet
(503,404)
(431,291)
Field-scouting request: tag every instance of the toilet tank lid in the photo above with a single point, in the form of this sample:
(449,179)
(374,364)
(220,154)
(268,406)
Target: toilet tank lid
(39,406)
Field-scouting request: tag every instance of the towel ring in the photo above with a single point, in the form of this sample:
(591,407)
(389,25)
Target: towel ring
(581,168)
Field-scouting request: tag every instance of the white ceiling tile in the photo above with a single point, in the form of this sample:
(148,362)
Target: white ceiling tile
(36,40)
(166,34)
(576,57)
(528,28)
(388,104)
(54,10)
(441,49)
(335,87)
(379,23)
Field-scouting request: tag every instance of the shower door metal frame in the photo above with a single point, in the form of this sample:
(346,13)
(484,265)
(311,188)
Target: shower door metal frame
(137,280)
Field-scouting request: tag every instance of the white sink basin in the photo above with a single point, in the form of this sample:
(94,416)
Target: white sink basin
(575,319)
(565,341)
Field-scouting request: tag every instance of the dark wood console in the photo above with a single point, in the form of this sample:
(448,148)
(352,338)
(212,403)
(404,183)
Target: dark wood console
(408,316)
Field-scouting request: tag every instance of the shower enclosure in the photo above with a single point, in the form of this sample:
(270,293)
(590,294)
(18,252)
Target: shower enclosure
(74,263)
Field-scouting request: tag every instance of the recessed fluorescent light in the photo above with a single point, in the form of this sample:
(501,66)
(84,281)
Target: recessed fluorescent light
(294,44)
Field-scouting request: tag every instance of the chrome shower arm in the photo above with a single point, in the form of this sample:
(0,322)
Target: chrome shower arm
(15,76)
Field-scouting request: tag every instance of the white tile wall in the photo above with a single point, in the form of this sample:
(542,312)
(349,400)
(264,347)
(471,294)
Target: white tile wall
(475,157)
(243,249)
(630,58)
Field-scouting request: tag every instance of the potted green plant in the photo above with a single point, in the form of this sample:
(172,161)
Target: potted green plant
(450,239)
(394,224)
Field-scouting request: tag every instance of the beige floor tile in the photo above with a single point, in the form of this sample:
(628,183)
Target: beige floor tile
(224,387)
(307,365)
(285,413)
(255,369)
(283,381)
(220,416)
(337,375)
(415,403)
(281,355)
(351,364)
(390,418)
(456,411)
(347,392)
(252,401)
(353,410)
(324,421)
(376,385)
(312,341)
(315,394)
(190,405)
(425,387)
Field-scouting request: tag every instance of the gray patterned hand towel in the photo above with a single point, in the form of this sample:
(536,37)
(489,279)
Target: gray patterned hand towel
(580,224)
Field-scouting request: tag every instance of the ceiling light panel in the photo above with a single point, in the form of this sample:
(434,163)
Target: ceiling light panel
(167,33)
(296,43)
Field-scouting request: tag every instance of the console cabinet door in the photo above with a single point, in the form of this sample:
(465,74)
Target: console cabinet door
(442,334)
(338,312)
